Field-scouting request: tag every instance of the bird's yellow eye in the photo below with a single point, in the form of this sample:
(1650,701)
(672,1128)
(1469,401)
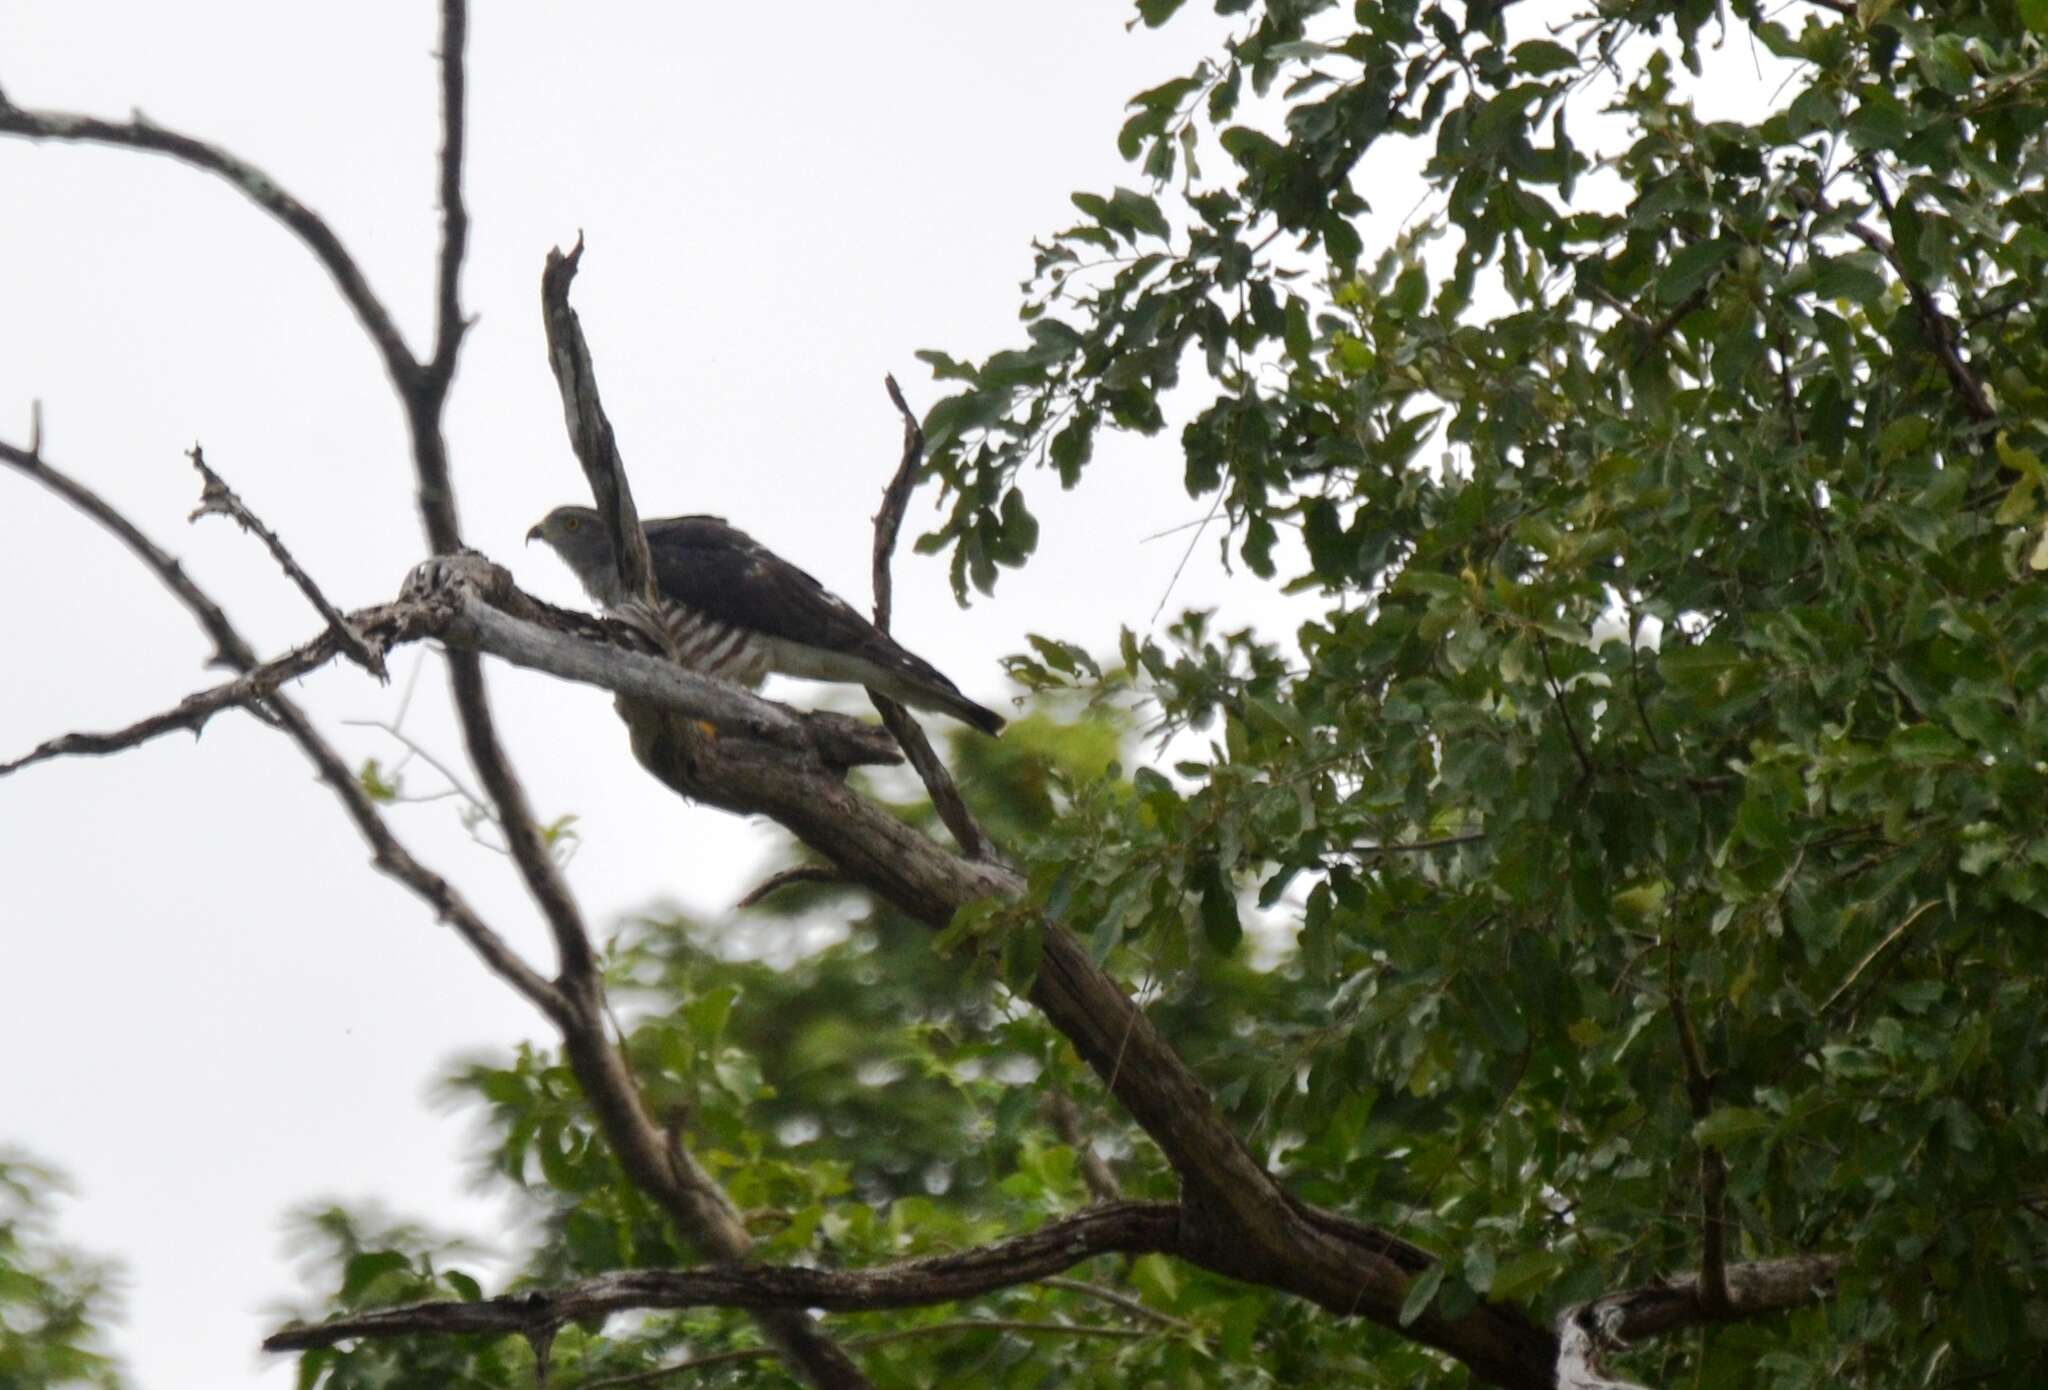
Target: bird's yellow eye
(570,524)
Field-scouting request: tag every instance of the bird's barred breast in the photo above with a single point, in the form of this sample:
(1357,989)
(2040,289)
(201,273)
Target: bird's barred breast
(706,645)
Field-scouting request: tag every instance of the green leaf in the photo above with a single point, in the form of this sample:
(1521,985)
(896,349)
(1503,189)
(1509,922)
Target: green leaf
(1300,345)
(1690,267)
(1849,277)
(1538,57)
(365,1269)
(1727,1124)
(1420,1293)
(1219,915)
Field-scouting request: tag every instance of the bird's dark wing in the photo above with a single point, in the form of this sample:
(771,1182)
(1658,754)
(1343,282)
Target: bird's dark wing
(722,572)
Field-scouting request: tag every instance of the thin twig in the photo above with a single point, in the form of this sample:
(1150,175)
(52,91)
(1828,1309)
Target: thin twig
(229,648)
(1095,1173)
(389,855)
(802,873)
(1941,335)
(251,691)
(1420,846)
(945,793)
(449,324)
(1879,949)
(1563,709)
(139,133)
(1121,1300)
(216,498)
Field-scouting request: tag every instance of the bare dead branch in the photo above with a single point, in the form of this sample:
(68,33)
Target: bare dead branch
(216,498)
(389,855)
(938,782)
(449,325)
(895,502)
(1130,1228)
(1699,1092)
(1065,1117)
(250,692)
(229,648)
(590,429)
(476,621)
(139,133)
(802,873)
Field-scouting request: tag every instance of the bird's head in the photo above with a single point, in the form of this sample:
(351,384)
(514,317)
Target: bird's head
(577,534)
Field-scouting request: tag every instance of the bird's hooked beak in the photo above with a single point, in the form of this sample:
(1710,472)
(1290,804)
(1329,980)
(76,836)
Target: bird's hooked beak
(534,535)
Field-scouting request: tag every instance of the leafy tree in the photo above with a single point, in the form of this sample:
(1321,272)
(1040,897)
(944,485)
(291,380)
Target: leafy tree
(55,1304)
(1673,489)
(1616,909)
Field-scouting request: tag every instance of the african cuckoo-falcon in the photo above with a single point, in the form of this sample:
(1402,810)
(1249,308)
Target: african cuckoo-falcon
(733,608)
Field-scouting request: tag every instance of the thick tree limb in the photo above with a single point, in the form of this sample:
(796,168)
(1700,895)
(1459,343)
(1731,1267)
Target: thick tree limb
(1128,1228)
(1755,1289)
(216,498)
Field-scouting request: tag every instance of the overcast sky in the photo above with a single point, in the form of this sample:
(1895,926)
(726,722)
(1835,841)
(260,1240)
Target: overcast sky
(211,1010)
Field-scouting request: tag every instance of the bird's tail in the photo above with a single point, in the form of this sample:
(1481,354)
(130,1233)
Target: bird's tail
(947,701)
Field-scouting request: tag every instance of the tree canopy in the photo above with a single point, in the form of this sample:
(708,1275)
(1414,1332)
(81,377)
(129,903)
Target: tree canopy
(1630,869)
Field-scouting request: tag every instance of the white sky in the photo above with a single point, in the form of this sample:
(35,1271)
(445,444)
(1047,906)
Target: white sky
(211,1010)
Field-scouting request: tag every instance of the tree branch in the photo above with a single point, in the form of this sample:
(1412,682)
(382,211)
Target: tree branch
(1129,1228)
(449,325)
(229,648)
(141,134)
(1066,1123)
(216,498)
(802,873)
(251,692)
(590,429)
(938,782)
(389,855)
(1699,1092)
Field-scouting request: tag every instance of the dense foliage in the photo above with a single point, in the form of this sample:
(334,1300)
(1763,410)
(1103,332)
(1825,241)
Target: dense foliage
(1673,486)
(1670,489)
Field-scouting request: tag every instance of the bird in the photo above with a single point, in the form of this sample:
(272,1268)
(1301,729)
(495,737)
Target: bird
(733,608)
